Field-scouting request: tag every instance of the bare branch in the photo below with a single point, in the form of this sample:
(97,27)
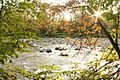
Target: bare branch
(100,68)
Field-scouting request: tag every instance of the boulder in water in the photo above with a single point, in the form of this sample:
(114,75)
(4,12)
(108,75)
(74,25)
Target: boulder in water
(48,50)
(77,48)
(60,49)
(57,48)
(41,50)
(63,54)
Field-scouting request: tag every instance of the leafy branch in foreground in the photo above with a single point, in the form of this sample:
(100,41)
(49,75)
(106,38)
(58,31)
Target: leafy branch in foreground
(14,26)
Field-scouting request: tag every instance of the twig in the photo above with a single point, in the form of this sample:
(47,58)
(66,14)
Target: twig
(100,68)
(109,53)
(79,48)
(73,44)
(95,42)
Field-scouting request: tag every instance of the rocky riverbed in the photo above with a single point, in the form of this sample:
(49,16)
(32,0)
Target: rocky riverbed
(59,51)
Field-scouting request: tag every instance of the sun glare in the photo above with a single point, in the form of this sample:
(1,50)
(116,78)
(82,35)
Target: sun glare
(97,14)
(67,17)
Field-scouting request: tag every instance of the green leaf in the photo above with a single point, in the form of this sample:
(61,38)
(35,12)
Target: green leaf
(2,61)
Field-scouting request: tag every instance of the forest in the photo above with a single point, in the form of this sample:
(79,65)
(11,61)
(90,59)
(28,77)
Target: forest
(74,40)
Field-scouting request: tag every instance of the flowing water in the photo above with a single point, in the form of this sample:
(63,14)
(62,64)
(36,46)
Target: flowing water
(45,52)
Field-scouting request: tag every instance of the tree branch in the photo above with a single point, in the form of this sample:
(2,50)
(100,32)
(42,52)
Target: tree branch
(2,2)
(109,37)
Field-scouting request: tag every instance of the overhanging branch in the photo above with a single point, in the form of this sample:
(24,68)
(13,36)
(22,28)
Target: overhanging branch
(109,37)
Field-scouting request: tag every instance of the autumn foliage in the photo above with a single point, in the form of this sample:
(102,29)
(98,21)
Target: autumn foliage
(84,25)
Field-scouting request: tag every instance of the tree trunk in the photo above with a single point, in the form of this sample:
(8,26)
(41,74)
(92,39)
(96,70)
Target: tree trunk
(1,7)
(115,45)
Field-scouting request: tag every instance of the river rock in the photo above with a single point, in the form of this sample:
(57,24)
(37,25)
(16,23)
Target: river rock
(57,48)
(77,48)
(32,43)
(48,50)
(63,54)
(40,46)
(60,48)
(41,50)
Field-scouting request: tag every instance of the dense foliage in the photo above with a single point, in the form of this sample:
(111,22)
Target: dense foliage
(15,26)
(21,21)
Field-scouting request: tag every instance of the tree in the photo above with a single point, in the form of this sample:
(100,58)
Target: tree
(104,14)
(16,23)
(107,11)
(19,20)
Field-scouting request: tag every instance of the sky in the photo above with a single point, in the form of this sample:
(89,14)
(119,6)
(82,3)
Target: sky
(55,1)
(67,15)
